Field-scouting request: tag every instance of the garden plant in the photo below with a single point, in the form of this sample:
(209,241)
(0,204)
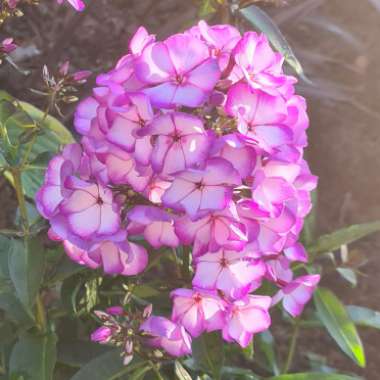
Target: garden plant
(168,229)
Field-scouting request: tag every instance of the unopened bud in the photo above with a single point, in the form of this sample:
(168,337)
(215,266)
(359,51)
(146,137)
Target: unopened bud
(127,359)
(70,99)
(158,354)
(147,311)
(128,346)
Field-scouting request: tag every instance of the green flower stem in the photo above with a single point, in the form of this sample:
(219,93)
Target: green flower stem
(292,348)
(17,182)
(40,314)
(155,370)
(186,263)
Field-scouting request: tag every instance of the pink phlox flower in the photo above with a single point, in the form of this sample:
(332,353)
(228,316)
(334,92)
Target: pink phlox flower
(156,189)
(221,40)
(218,229)
(12,3)
(297,293)
(90,209)
(197,310)
(91,113)
(231,272)
(140,40)
(123,131)
(165,334)
(156,224)
(180,143)
(78,5)
(246,317)
(235,150)
(260,117)
(53,191)
(123,258)
(179,70)
(296,252)
(261,66)
(123,169)
(123,76)
(199,191)
(278,270)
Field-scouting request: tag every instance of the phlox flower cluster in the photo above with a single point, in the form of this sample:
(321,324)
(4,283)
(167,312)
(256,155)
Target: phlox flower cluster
(194,141)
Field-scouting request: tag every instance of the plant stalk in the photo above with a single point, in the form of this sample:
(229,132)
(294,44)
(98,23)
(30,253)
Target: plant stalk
(16,173)
(156,371)
(186,263)
(292,348)
(40,314)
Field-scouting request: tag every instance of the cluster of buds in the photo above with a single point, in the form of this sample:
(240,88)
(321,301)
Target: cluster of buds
(62,86)
(124,329)
(12,8)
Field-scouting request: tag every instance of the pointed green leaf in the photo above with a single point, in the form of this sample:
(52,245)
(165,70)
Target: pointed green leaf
(57,129)
(348,274)
(363,316)
(208,353)
(315,376)
(34,357)
(51,136)
(181,372)
(333,241)
(336,320)
(266,345)
(108,366)
(261,21)
(77,353)
(14,310)
(26,268)
(310,224)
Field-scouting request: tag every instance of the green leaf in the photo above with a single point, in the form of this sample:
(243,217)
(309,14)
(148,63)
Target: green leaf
(65,269)
(206,8)
(333,241)
(261,21)
(51,135)
(336,320)
(14,310)
(208,353)
(249,351)
(314,376)
(241,373)
(363,316)
(348,274)
(5,244)
(181,372)
(139,373)
(266,345)
(78,353)
(108,366)
(26,268)
(61,134)
(310,224)
(34,357)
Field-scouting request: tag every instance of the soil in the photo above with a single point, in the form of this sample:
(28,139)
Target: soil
(337,42)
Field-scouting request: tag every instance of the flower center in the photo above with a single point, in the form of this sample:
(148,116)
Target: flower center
(224,262)
(179,79)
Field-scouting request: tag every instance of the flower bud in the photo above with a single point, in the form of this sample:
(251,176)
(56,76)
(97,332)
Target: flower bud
(102,335)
